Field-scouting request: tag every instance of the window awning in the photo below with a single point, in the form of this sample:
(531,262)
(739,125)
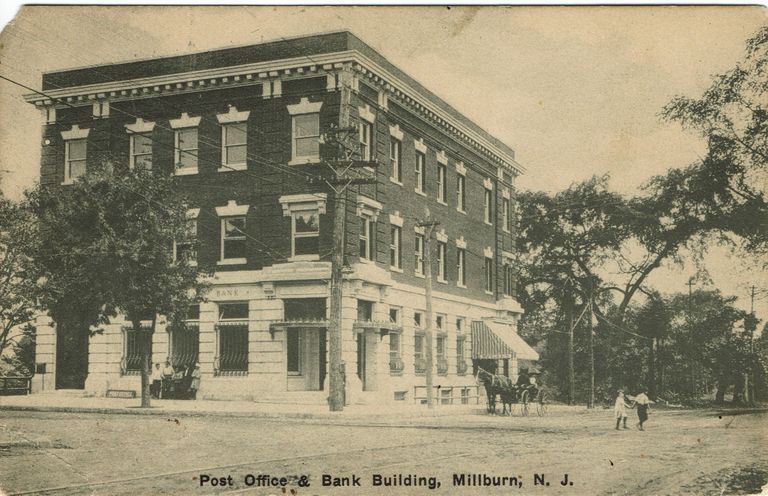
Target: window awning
(493,340)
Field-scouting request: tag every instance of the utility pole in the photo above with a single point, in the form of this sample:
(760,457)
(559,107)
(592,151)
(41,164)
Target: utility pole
(343,168)
(429,225)
(690,329)
(752,323)
(570,324)
(591,353)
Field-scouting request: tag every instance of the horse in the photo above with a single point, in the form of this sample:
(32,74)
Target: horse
(497,384)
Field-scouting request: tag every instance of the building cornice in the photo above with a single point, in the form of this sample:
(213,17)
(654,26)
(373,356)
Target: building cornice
(265,73)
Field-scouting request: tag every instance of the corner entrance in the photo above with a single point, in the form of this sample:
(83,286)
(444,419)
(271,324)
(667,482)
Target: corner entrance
(305,358)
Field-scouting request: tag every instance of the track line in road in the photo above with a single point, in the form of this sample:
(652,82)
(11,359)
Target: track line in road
(209,469)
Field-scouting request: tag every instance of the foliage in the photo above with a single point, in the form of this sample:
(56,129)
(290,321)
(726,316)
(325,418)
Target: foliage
(114,232)
(17,285)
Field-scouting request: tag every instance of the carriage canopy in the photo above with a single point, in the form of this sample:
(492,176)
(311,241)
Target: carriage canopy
(497,340)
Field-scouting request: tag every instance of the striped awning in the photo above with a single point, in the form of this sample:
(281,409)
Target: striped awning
(494,340)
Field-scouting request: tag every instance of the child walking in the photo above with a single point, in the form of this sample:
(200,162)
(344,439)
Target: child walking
(620,410)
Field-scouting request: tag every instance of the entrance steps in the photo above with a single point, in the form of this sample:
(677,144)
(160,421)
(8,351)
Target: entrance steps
(294,398)
(73,393)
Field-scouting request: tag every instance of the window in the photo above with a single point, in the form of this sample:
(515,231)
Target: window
(461,197)
(74,163)
(395,361)
(421,181)
(186,249)
(488,206)
(461,267)
(232,238)
(442,361)
(509,280)
(141,150)
(186,149)
(305,233)
(419,255)
(459,325)
(234,140)
(394,315)
(306,137)
(395,247)
(419,362)
(505,214)
(441,184)
(185,340)
(488,274)
(395,152)
(417,321)
(439,322)
(366,238)
(461,364)
(137,343)
(441,261)
(365,132)
(232,339)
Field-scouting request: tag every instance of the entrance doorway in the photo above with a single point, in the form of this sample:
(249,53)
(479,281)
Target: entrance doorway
(305,358)
(71,358)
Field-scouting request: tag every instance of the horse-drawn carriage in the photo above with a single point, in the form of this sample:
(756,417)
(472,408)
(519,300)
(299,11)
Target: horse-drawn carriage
(510,394)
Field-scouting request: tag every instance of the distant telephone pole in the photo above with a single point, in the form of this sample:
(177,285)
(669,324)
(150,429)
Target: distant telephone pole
(429,226)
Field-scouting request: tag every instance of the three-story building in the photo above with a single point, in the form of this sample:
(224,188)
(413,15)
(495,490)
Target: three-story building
(243,128)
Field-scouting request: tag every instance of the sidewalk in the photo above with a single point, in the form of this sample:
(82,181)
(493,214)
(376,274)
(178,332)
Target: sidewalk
(48,402)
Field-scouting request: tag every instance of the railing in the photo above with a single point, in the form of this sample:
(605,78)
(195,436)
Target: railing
(449,395)
(396,364)
(13,385)
(461,366)
(442,365)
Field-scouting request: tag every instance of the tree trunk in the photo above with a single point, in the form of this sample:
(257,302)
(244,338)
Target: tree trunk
(738,389)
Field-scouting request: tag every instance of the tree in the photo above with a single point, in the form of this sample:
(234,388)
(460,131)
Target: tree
(17,285)
(652,321)
(732,116)
(114,231)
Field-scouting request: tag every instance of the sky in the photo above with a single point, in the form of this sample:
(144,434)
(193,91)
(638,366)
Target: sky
(575,91)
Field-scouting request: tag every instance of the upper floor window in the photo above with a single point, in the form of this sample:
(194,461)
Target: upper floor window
(232,238)
(305,233)
(441,261)
(74,161)
(417,320)
(234,140)
(419,254)
(366,238)
(304,211)
(365,132)
(395,247)
(461,194)
(141,151)
(442,186)
(305,131)
(421,184)
(185,143)
(461,267)
(488,206)
(488,274)
(395,151)
(186,248)
(233,233)
(75,145)
(505,218)
(509,280)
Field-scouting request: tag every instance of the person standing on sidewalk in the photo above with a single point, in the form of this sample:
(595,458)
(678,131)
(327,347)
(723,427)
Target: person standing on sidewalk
(167,380)
(643,407)
(195,384)
(157,381)
(620,410)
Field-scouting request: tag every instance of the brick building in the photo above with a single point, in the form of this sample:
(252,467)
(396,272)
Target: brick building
(242,125)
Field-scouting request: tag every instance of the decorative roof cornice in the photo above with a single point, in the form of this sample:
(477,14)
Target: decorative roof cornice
(264,73)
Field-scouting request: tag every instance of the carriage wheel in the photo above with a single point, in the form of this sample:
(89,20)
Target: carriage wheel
(541,405)
(524,404)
